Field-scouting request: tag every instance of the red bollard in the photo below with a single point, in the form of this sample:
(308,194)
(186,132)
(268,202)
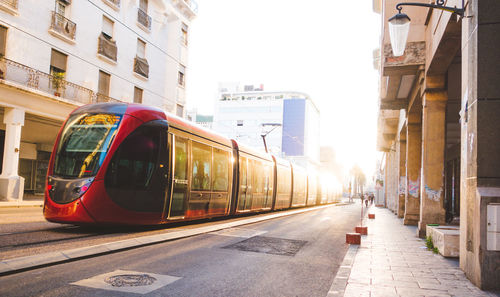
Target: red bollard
(361,230)
(371,215)
(353,238)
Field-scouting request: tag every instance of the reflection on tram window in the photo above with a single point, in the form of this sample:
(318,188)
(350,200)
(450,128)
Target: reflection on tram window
(84,143)
(221,170)
(202,157)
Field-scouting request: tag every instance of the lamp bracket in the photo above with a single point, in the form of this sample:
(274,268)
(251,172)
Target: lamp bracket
(439,5)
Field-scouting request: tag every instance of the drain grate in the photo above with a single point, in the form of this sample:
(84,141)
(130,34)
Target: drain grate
(269,245)
(130,280)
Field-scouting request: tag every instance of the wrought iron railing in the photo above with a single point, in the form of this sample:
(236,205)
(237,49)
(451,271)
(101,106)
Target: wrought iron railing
(141,66)
(107,47)
(62,25)
(143,18)
(9,3)
(104,98)
(53,85)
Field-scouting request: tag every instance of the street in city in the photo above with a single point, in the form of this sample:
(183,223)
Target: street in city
(296,255)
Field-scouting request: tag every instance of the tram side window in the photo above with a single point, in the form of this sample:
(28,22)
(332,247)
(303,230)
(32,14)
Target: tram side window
(202,157)
(258,177)
(221,170)
(131,177)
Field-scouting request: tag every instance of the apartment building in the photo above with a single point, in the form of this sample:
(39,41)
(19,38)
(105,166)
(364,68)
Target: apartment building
(56,55)
(289,121)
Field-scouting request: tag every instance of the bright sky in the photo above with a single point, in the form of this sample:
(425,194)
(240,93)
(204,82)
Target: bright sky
(320,47)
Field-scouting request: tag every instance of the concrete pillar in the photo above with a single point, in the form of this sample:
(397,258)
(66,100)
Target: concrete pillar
(401,151)
(432,209)
(11,184)
(480,145)
(413,162)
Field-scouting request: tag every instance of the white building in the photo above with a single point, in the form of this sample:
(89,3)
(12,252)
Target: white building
(61,54)
(290,121)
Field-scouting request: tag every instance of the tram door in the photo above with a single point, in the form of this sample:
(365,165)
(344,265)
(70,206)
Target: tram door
(245,187)
(178,201)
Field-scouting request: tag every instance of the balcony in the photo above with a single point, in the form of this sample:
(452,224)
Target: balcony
(20,75)
(62,26)
(9,5)
(141,66)
(115,4)
(188,7)
(143,18)
(107,47)
(54,86)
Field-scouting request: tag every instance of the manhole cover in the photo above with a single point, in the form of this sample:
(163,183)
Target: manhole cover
(130,280)
(269,245)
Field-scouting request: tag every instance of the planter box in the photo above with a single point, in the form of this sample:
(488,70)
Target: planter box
(353,238)
(446,239)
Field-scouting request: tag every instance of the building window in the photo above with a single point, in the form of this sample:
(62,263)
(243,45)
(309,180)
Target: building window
(107,27)
(138,95)
(3,40)
(106,45)
(143,5)
(58,62)
(61,8)
(182,74)
(184,32)
(141,49)
(103,86)
(180,110)
(239,123)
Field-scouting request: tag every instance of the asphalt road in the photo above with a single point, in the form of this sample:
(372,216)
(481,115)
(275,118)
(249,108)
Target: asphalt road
(296,255)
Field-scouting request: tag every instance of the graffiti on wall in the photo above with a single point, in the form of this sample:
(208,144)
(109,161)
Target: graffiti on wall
(433,194)
(413,187)
(402,185)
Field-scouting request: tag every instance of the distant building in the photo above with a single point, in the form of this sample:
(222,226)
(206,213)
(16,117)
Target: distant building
(290,121)
(58,55)
(202,120)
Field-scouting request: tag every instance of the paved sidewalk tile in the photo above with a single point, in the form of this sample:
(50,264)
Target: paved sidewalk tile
(392,261)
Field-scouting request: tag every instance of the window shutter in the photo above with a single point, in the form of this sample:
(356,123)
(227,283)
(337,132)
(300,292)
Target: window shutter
(3,40)
(103,87)
(107,26)
(58,60)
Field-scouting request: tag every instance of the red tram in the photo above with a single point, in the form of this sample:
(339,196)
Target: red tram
(117,163)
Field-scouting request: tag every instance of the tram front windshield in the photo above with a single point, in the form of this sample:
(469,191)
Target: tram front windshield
(84,143)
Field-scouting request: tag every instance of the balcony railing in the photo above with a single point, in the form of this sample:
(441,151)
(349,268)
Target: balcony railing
(104,98)
(143,18)
(141,66)
(12,4)
(63,26)
(26,76)
(107,47)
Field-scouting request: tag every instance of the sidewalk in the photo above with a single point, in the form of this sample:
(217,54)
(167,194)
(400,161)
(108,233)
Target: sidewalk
(392,261)
(29,200)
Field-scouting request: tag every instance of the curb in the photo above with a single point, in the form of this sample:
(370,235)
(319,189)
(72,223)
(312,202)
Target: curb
(20,264)
(340,282)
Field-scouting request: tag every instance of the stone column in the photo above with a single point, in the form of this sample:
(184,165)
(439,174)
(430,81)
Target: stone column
(413,157)
(11,184)
(401,149)
(433,147)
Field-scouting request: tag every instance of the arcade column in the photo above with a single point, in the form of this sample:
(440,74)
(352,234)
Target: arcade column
(11,184)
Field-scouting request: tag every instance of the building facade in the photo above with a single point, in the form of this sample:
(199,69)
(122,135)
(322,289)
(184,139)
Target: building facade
(57,55)
(438,126)
(289,121)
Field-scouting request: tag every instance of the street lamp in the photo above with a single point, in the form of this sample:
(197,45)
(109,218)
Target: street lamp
(399,24)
